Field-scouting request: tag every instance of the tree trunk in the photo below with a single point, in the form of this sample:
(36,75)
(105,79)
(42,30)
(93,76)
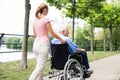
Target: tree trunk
(111,46)
(73,12)
(92,37)
(73,28)
(25,37)
(104,32)
(104,41)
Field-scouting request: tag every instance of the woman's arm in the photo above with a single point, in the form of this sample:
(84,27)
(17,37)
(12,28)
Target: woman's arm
(49,28)
(34,31)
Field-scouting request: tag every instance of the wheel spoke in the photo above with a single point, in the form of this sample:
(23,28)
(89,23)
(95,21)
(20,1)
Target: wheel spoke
(73,70)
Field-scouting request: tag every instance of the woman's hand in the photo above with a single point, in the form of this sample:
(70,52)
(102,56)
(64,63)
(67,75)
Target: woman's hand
(63,41)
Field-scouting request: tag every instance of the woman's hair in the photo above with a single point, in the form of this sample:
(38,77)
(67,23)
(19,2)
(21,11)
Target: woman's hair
(40,9)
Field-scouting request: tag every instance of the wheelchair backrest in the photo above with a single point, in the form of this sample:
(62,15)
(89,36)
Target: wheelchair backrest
(59,55)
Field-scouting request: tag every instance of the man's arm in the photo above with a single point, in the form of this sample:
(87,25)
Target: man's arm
(71,46)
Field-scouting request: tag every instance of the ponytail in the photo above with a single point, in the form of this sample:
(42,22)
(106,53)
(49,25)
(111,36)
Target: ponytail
(37,13)
(40,9)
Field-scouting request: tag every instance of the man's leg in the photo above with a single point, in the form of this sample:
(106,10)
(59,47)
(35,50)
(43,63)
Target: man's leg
(85,62)
(85,59)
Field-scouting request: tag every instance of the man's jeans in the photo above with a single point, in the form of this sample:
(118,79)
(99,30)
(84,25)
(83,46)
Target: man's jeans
(84,59)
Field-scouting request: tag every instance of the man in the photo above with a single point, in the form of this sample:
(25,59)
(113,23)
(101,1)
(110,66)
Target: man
(73,48)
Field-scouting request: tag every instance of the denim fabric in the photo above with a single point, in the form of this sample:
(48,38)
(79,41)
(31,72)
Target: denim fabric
(84,59)
(71,46)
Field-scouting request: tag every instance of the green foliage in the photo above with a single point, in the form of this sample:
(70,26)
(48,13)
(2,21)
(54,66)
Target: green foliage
(103,15)
(111,13)
(81,8)
(108,17)
(78,36)
(30,43)
(9,42)
(99,35)
(116,39)
(14,43)
(82,37)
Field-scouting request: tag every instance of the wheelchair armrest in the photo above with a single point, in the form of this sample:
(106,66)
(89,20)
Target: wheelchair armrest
(76,56)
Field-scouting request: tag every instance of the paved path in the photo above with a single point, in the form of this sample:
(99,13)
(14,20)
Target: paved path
(104,69)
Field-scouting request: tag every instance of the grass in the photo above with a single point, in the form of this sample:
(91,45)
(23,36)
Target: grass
(13,70)
(100,54)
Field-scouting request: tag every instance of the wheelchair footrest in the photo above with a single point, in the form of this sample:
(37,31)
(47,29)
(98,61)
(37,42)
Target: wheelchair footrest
(56,74)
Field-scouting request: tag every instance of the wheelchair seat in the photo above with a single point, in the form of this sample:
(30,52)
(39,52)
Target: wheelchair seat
(59,56)
(61,59)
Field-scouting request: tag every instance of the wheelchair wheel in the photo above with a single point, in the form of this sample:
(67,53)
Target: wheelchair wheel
(73,70)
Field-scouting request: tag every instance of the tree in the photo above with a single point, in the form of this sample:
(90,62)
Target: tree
(82,37)
(25,37)
(78,8)
(109,17)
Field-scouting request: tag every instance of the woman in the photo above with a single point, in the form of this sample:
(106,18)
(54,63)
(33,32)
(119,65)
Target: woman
(41,29)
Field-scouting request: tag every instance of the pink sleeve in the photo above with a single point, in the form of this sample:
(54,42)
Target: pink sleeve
(46,20)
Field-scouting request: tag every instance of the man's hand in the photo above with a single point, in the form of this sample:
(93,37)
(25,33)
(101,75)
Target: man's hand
(80,50)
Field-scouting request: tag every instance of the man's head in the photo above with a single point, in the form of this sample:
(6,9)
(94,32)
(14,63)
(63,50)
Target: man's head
(64,30)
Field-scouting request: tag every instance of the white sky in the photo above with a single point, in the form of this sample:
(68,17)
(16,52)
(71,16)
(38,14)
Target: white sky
(12,15)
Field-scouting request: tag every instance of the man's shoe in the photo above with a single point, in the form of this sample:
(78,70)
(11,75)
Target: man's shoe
(87,75)
(89,71)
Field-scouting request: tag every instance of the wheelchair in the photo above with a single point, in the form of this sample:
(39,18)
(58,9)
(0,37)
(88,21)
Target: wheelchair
(68,66)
